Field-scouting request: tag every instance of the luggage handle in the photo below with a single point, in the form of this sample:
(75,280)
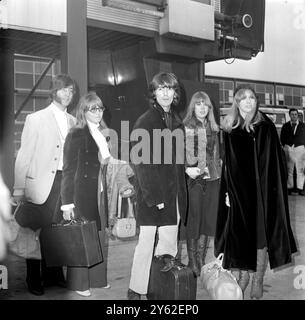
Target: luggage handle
(130,208)
(80,220)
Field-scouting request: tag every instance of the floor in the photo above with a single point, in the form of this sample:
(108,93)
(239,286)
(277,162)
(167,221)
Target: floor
(282,284)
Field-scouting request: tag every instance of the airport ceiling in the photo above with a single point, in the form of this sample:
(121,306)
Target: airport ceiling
(46,45)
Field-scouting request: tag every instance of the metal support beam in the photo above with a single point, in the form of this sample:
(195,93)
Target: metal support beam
(45,71)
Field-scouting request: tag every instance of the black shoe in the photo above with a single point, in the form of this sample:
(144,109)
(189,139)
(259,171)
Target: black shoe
(35,288)
(290,192)
(301,193)
(132,295)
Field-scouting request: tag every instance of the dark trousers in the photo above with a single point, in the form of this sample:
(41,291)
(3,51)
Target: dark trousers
(36,269)
(83,278)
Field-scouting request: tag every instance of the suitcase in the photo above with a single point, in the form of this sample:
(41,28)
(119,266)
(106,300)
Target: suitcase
(74,244)
(178,283)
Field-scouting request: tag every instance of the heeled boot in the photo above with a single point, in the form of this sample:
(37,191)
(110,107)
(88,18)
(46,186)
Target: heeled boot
(203,245)
(243,280)
(191,245)
(258,276)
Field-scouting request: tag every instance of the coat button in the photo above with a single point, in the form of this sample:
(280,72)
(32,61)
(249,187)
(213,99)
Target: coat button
(53,171)
(87,162)
(55,159)
(85,176)
(57,146)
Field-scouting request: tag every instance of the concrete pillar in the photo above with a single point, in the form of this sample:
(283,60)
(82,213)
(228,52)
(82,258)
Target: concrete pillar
(74,44)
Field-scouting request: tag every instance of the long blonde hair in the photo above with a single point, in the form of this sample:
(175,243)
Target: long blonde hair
(233,119)
(86,101)
(190,119)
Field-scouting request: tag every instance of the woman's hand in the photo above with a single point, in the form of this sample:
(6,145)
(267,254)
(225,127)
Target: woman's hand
(127,193)
(192,172)
(68,214)
(160,206)
(227,200)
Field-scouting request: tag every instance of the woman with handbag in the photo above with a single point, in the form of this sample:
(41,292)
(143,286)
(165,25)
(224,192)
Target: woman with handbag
(253,216)
(203,173)
(82,186)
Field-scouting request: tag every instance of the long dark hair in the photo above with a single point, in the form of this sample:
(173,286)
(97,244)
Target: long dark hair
(164,79)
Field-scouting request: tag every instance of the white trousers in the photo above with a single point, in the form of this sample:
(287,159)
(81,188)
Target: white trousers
(167,244)
(295,156)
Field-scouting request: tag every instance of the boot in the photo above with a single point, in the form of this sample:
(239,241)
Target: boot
(243,280)
(203,245)
(191,245)
(179,251)
(33,279)
(258,276)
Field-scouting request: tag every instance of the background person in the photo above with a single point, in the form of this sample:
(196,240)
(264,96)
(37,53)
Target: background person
(293,141)
(160,188)
(38,171)
(203,170)
(5,216)
(257,221)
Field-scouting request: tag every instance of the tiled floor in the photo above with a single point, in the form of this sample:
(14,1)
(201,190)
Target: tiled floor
(279,284)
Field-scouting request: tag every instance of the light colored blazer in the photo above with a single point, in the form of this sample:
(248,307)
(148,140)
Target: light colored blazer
(38,157)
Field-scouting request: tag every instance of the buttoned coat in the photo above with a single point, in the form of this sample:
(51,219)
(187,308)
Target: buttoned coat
(80,183)
(38,157)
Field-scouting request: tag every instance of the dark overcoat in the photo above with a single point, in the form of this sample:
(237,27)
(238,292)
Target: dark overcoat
(81,174)
(254,177)
(157,183)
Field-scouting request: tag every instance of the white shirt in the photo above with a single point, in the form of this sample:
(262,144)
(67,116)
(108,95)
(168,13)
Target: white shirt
(99,139)
(62,124)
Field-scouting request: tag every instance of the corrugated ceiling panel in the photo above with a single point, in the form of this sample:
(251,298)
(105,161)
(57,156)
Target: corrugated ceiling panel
(96,11)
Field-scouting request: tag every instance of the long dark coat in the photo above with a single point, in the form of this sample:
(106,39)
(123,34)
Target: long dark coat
(81,174)
(254,177)
(159,183)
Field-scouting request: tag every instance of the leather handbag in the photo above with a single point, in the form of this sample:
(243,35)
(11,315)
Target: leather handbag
(74,244)
(125,225)
(219,282)
(24,242)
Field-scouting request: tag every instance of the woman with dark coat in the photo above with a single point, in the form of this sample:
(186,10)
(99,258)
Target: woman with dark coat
(81,186)
(254,219)
(159,178)
(203,170)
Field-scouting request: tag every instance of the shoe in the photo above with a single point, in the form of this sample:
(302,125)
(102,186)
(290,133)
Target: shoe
(301,193)
(35,288)
(107,287)
(132,295)
(290,192)
(85,293)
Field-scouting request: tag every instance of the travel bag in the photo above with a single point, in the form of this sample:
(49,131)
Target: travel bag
(171,280)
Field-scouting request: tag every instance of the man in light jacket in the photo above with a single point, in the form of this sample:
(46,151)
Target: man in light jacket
(38,171)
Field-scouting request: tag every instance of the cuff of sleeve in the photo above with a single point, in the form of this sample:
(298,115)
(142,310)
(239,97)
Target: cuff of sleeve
(18,192)
(67,207)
